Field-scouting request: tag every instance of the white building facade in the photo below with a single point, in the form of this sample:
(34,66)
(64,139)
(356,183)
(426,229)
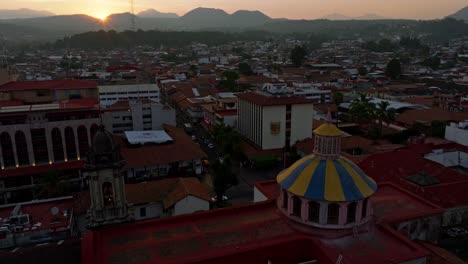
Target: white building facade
(272,121)
(138,115)
(110,94)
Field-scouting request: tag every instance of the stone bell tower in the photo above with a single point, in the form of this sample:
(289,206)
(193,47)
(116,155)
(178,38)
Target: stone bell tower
(103,171)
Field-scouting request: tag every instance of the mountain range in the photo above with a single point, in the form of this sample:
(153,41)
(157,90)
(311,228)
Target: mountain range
(155,13)
(23,13)
(48,26)
(461,14)
(338,16)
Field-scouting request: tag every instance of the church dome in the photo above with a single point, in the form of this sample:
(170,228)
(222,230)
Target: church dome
(332,180)
(102,141)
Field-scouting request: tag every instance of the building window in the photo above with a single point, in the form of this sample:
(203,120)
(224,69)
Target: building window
(314,212)
(364,209)
(285,200)
(333,214)
(351,217)
(297,203)
(143,212)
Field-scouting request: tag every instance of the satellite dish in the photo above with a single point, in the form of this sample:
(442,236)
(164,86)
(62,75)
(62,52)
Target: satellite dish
(54,210)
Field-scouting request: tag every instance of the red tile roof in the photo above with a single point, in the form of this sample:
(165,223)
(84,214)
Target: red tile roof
(428,115)
(264,100)
(182,148)
(48,85)
(168,191)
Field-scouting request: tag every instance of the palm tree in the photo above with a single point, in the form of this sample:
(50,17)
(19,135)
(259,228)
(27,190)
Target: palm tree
(228,138)
(362,110)
(384,114)
(337,99)
(223,178)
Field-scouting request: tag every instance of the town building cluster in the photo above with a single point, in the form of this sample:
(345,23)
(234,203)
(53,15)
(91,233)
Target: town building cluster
(123,156)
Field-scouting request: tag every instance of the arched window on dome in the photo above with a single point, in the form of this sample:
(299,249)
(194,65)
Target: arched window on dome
(351,216)
(333,214)
(297,204)
(285,200)
(364,208)
(314,212)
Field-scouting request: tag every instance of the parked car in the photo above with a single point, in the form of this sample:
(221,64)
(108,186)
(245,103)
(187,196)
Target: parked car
(215,198)
(194,137)
(211,146)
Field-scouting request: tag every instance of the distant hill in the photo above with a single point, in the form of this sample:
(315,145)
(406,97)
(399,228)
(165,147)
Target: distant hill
(155,13)
(23,13)
(338,16)
(217,18)
(371,16)
(461,14)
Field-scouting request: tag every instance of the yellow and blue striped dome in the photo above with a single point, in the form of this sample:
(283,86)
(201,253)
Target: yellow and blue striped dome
(338,180)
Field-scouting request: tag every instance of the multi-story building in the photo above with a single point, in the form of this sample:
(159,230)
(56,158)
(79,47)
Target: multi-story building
(45,127)
(274,121)
(308,91)
(224,111)
(110,94)
(137,115)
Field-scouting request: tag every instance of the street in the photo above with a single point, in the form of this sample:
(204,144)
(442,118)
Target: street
(243,192)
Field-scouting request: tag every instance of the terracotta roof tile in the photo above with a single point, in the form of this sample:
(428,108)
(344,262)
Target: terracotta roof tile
(48,85)
(264,100)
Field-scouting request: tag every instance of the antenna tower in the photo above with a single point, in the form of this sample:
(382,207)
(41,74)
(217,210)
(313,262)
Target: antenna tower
(132,15)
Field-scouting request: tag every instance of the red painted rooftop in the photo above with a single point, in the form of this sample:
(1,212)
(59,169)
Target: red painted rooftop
(251,234)
(41,213)
(396,166)
(265,100)
(48,85)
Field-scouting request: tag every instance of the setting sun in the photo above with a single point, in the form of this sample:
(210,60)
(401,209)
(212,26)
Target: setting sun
(101,16)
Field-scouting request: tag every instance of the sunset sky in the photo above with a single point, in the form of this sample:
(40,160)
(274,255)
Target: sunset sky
(294,9)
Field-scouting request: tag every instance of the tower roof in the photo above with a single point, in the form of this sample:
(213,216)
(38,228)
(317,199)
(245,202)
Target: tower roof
(328,130)
(102,141)
(338,180)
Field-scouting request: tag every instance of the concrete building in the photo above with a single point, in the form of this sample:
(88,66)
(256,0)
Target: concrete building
(137,115)
(223,111)
(457,133)
(274,121)
(44,126)
(110,94)
(155,154)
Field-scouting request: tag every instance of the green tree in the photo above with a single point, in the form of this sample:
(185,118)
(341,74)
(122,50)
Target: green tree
(193,70)
(337,98)
(223,178)
(230,80)
(384,114)
(228,138)
(433,62)
(298,55)
(245,69)
(362,71)
(393,69)
(362,110)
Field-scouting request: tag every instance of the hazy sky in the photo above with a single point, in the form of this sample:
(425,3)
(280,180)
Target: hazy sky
(297,9)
